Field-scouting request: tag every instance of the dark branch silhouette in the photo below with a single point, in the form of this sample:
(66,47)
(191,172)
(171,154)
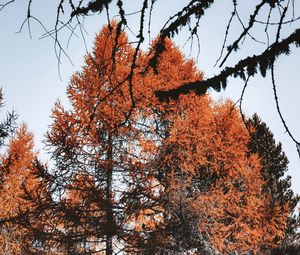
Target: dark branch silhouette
(241,69)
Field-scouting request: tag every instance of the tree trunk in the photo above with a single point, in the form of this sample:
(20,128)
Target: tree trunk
(109,215)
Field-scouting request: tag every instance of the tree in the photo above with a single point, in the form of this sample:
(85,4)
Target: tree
(263,16)
(86,142)
(104,139)
(141,176)
(7,127)
(274,166)
(18,180)
(217,202)
(210,186)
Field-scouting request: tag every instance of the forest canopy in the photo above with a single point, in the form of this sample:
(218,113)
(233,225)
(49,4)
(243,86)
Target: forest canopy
(132,174)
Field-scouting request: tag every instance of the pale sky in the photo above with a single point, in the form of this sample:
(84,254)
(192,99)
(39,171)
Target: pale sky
(31,84)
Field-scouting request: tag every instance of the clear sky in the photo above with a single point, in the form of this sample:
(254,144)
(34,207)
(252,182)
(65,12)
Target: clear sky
(31,84)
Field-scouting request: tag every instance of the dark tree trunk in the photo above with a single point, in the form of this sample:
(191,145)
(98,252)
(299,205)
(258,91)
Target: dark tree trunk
(109,215)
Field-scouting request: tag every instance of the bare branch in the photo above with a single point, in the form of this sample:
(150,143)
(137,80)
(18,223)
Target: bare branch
(235,44)
(2,6)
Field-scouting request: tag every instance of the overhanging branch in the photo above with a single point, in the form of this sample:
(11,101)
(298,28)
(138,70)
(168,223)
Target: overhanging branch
(244,67)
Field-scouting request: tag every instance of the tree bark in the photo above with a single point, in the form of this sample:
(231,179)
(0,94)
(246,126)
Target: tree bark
(109,215)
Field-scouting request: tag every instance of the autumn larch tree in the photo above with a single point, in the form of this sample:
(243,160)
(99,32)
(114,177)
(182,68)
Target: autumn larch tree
(204,187)
(202,179)
(208,187)
(135,175)
(107,140)
(18,180)
(89,143)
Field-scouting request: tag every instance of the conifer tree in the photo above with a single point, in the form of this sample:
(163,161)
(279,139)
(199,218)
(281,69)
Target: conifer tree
(88,144)
(203,188)
(274,164)
(99,140)
(18,180)
(210,188)
(141,176)
(7,126)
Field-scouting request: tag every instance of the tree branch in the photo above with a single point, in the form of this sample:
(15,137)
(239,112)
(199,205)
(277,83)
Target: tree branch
(245,66)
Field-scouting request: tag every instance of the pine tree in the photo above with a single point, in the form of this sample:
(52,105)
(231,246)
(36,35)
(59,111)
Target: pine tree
(274,164)
(7,126)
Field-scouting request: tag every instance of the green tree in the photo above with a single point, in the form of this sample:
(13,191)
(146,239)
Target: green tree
(274,164)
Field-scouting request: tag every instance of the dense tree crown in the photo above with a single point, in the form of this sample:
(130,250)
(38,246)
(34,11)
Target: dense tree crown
(135,175)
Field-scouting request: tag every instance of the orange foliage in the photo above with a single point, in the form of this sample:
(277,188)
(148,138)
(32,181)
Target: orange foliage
(206,139)
(172,145)
(87,141)
(18,180)
(211,140)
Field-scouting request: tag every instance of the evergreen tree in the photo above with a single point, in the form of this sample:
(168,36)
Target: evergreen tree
(7,126)
(274,165)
